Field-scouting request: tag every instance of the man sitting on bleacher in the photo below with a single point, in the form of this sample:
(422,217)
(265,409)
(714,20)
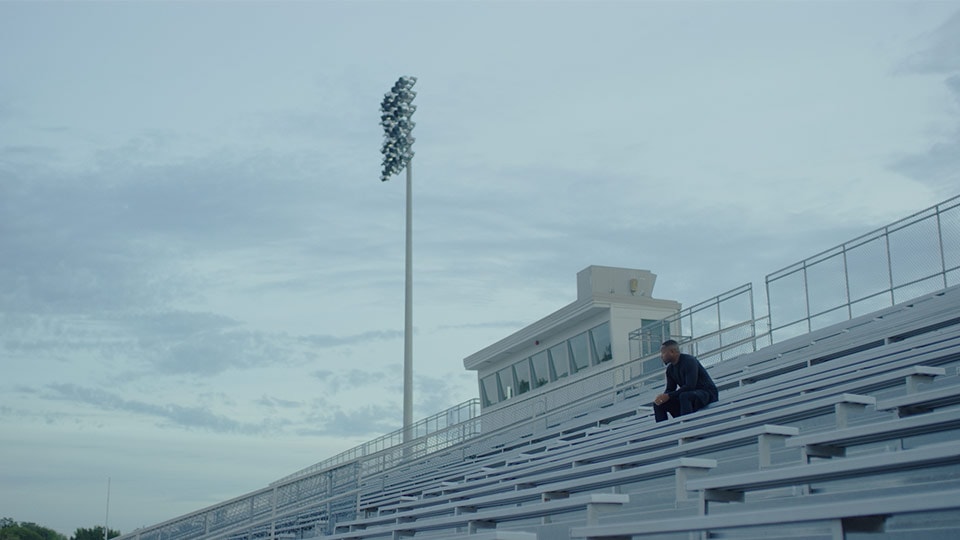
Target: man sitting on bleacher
(689,386)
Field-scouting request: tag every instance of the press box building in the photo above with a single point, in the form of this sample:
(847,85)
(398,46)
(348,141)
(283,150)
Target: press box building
(588,335)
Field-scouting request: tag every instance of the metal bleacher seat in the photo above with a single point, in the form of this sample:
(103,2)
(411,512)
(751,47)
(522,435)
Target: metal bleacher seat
(732,423)
(810,395)
(781,399)
(922,402)
(473,520)
(835,442)
(857,512)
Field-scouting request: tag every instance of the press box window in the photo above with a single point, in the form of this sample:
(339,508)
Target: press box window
(488,390)
(522,371)
(541,369)
(580,349)
(508,386)
(600,336)
(560,360)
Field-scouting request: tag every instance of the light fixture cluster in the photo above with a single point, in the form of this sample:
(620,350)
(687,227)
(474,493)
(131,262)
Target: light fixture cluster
(397,109)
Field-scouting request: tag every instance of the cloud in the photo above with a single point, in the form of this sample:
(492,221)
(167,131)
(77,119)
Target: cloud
(216,348)
(329,418)
(65,251)
(436,394)
(367,421)
(274,402)
(342,381)
(176,323)
(31,415)
(170,414)
(326,341)
(939,165)
(942,55)
(26,152)
(495,325)
(211,354)
(129,232)
(167,343)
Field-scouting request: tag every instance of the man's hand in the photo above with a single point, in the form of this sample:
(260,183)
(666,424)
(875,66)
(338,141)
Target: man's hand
(661,399)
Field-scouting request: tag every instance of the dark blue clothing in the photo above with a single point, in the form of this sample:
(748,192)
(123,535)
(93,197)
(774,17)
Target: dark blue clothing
(686,375)
(689,386)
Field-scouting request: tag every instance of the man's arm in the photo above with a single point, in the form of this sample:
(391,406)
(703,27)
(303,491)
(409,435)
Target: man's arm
(660,399)
(671,383)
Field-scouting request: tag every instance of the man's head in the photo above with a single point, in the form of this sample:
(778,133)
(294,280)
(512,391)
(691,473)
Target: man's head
(670,352)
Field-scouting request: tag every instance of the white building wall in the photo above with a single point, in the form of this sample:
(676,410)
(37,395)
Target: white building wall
(621,297)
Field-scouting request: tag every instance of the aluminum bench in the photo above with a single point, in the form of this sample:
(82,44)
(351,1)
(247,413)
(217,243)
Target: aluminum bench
(475,521)
(732,488)
(862,513)
(922,402)
(834,443)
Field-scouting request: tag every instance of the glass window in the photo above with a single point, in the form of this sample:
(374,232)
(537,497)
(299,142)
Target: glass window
(653,333)
(508,387)
(522,370)
(580,350)
(600,336)
(541,369)
(488,390)
(560,360)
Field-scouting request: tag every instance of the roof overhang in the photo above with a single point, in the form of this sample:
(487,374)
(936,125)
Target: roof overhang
(542,330)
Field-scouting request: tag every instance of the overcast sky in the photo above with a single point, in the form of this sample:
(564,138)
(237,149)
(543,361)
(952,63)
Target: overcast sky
(202,274)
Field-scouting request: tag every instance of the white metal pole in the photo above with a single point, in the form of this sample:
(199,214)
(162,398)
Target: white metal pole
(408,316)
(106,518)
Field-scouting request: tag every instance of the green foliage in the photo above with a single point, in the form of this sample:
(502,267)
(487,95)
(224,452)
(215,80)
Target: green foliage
(96,533)
(18,532)
(11,530)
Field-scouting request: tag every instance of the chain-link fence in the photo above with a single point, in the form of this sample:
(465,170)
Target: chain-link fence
(713,330)
(906,259)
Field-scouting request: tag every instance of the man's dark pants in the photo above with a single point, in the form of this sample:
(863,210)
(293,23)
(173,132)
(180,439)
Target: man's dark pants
(681,404)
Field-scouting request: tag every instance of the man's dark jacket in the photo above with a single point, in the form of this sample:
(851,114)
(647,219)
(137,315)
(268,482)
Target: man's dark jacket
(686,375)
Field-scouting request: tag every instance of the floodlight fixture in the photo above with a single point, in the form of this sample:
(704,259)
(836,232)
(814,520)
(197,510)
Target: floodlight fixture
(397,110)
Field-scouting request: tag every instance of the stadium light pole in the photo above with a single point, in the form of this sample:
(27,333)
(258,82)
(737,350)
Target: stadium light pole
(396,115)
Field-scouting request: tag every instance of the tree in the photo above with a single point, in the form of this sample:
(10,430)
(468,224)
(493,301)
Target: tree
(95,533)
(11,530)
(18,532)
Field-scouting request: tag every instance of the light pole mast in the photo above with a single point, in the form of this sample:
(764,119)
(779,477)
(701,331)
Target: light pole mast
(397,109)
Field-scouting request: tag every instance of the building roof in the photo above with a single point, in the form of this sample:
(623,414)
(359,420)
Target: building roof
(598,289)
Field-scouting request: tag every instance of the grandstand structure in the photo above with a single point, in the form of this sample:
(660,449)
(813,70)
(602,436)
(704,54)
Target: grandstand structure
(839,417)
